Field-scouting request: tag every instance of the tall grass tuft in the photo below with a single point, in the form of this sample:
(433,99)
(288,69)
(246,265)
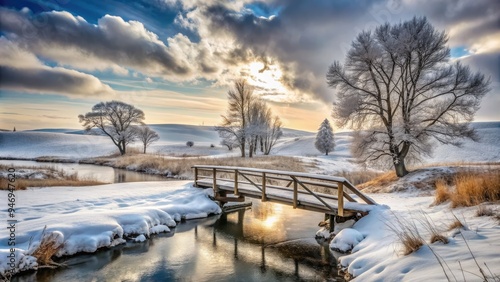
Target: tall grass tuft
(407,233)
(470,188)
(442,192)
(475,188)
(50,244)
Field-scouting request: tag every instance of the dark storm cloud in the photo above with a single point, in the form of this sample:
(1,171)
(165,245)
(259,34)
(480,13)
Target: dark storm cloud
(305,37)
(126,44)
(51,80)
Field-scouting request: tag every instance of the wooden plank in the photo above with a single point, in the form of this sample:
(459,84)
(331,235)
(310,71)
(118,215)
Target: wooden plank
(236,182)
(278,172)
(312,193)
(359,194)
(295,194)
(263,187)
(251,182)
(195,177)
(204,183)
(214,182)
(341,199)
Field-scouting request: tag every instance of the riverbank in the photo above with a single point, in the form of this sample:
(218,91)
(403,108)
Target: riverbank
(85,220)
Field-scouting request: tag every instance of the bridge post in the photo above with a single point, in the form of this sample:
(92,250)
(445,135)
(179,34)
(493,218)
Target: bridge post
(195,177)
(264,187)
(331,219)
(236,182)
(340,197)
(295,194)
(214,183)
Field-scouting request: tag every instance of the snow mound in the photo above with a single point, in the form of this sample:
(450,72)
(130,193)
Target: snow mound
(141,238)
(346,240)
(89,218)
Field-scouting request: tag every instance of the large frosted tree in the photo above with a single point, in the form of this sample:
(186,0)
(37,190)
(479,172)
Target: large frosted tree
(324,139)
(115,119)
(400,88)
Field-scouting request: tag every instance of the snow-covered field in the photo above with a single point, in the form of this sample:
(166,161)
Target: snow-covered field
(88,218)
(99,216)
(72,144)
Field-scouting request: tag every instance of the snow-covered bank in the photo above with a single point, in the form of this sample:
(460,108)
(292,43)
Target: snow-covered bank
(89,218)
(378,256)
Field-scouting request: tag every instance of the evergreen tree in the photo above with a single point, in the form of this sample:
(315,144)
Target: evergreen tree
(324,139)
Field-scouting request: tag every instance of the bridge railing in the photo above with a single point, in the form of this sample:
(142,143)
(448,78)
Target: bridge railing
(282,180)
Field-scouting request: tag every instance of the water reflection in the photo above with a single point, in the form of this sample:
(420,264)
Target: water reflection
(269,242)
(84,171)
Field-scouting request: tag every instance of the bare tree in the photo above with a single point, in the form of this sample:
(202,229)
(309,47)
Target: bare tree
(234,124)
(116,120)
(249,121)
(147,136)
(398,84)
(324,139)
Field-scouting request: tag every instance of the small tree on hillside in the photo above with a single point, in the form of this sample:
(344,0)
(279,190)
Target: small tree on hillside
(116,120)
(14,129)
(235,122)
(398,86)
(147,136)
(324,139)
(190,144)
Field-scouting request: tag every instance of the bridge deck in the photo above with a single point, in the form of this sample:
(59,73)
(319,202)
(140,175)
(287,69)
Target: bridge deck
(292,188)
(285,196)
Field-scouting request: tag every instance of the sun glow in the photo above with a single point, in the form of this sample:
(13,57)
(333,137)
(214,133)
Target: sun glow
(267,80)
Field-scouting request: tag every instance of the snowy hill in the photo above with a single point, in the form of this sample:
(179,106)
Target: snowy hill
(71,143)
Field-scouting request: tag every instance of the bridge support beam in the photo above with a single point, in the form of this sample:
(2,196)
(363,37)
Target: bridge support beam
(331,218)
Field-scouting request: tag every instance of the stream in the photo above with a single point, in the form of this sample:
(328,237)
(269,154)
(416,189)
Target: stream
(267,242)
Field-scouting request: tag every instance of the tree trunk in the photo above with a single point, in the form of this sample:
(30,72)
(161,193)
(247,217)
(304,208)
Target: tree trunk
(242,148)
(326,153)
(400,168)
(144,148)
(250,150)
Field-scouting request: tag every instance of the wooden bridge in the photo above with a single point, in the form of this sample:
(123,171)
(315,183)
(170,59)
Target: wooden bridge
(331,195)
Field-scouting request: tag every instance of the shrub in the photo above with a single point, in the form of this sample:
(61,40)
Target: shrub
(190,143)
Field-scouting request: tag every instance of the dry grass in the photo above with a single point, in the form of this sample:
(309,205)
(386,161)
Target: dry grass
(49,245)
(23,184)
(358,177)
(484,211)
(474,188)
(182,167)
(381,180)
(53,177)
(456,224)
(469,188)
(442,192)
(439,238)
(407,234)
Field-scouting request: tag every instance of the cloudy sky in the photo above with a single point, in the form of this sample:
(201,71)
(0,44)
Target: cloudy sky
(175,59)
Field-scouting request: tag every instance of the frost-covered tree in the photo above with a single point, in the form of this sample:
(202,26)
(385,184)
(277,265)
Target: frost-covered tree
(249,122)
(324,139)
(234,124)
(147,136)
(399,86)
(115,119)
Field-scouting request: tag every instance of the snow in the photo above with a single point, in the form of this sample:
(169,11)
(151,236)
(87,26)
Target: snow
(93,217)
(378,256)
(89,218)
(141,238)
(346,240)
